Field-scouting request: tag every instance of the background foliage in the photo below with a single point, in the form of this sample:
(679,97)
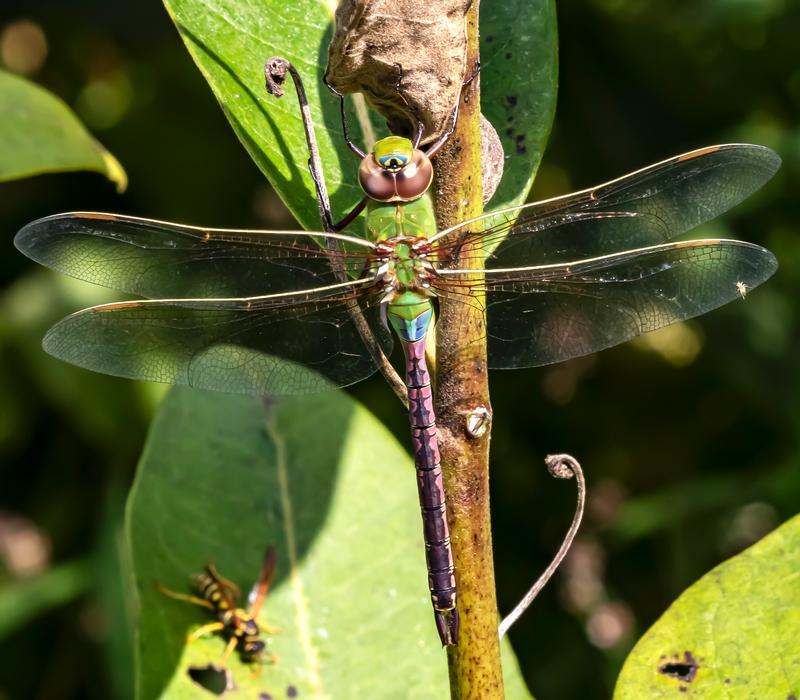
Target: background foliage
(689,438)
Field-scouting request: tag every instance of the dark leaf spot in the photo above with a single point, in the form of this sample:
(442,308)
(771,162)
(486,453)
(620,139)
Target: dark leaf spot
(684,670)
(508,55)
(214,679)
(511,100)
(264,696)
(291,692)
(792,696)
(521,150)
(488,38)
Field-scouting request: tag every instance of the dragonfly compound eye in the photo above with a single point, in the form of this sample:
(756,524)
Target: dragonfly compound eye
(395,171)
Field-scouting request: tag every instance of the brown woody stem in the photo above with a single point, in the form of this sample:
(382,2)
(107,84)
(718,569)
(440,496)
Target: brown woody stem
(462,393)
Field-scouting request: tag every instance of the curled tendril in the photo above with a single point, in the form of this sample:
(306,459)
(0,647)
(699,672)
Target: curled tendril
(560,466)
(275,71)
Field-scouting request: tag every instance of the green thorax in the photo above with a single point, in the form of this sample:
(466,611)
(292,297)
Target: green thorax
(409,309)
(387,220)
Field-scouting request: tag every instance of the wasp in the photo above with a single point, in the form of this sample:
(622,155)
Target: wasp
(220,595)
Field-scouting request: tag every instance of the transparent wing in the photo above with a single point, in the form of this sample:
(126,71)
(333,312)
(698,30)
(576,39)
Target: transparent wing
(646,207)
(261,346)
(549,313)
(157,259)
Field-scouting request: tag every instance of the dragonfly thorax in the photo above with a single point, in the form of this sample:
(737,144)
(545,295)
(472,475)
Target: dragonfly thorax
(406,274)
(395,171)
(404,265)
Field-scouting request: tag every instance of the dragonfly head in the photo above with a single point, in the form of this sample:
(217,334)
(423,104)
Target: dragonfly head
(395,171)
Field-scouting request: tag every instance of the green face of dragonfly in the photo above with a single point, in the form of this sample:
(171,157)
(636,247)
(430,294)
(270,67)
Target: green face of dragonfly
(393,152)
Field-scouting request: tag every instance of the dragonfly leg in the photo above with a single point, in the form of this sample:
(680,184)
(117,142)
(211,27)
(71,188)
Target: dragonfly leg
(347,220)
(193,599)
(399,91)
(352,146)
(434,148)
(204,630)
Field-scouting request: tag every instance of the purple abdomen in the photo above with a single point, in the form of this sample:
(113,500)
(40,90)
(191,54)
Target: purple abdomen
(439,555)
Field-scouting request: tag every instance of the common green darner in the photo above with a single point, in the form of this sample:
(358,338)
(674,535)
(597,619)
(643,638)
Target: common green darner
(272,312)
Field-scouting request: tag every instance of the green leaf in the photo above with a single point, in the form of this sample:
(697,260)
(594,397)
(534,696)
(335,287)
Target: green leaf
(223,477)
(40,134)
(734,634)
(519,78)
(231,39)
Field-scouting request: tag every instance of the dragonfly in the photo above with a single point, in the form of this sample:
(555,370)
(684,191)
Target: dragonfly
(276,312)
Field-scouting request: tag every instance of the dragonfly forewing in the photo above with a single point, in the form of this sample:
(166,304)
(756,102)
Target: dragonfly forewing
(162,260)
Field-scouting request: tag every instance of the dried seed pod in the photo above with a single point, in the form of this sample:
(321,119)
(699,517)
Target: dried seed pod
(378,43)
(408,60)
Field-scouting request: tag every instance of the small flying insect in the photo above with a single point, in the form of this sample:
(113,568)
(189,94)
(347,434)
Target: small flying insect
(220,595)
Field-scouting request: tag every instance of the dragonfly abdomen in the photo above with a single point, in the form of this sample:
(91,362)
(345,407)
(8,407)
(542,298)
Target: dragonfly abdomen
(438,552)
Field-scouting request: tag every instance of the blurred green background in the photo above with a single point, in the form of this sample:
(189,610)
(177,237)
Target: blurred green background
(689,437)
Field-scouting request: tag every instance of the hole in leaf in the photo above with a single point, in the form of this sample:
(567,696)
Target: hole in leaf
(684,670)
(212,678)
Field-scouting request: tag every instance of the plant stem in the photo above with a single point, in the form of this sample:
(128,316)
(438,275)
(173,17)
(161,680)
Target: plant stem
(462,387)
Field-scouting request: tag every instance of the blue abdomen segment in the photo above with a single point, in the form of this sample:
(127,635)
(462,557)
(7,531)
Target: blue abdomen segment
(411,329)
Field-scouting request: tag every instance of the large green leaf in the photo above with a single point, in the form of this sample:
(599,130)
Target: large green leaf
(222,477)
(231,39)
(40,134)
(519,76)
(733,635)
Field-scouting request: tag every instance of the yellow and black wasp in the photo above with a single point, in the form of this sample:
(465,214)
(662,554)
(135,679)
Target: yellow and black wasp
(220,595)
